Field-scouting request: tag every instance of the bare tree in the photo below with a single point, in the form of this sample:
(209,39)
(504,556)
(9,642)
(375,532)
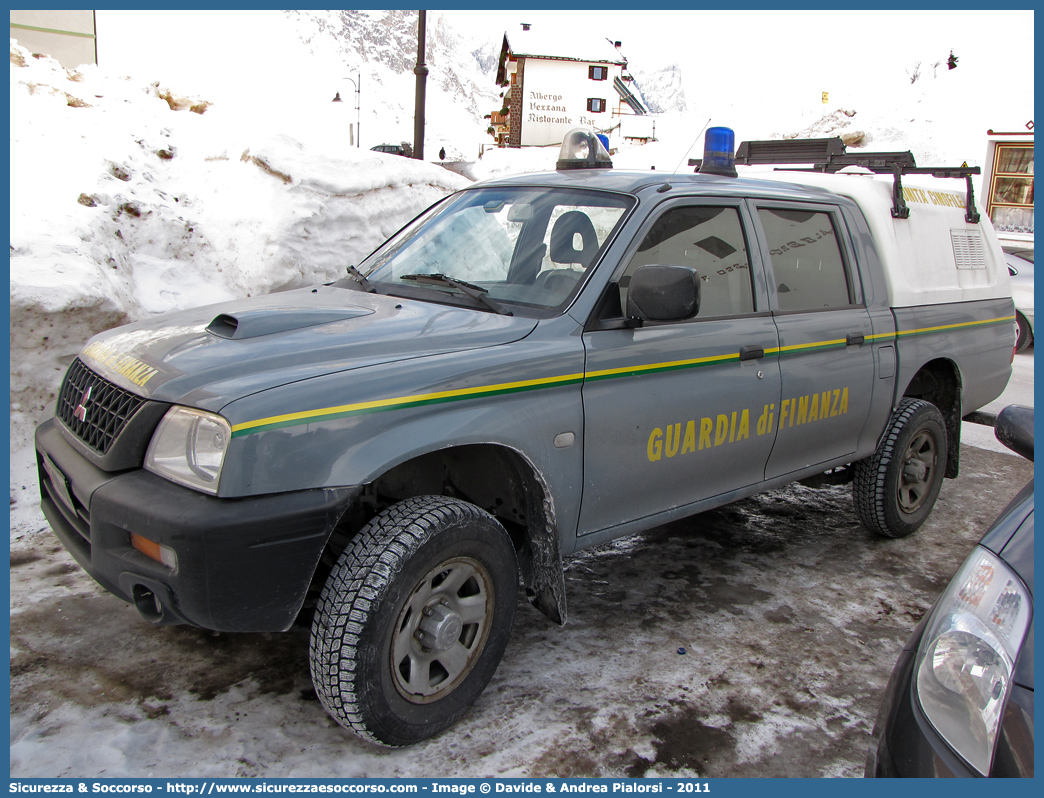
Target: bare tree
(915,74)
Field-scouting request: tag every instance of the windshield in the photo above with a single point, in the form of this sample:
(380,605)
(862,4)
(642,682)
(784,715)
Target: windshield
(529,248)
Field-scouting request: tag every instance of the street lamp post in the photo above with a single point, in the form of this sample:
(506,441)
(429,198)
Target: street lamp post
(421,71)
(358,106)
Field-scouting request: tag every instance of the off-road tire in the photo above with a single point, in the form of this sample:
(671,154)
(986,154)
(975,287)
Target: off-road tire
(370,613)
(1024,337)
(893,492)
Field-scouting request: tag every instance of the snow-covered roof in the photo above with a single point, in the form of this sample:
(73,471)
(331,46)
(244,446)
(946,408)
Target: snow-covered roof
(563,44)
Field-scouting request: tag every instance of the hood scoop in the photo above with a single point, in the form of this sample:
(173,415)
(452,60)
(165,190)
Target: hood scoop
(271,320)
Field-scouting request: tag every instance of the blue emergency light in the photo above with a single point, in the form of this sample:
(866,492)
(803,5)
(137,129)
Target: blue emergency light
(719,152)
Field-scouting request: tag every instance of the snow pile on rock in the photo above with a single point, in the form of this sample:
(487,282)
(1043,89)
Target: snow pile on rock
(942,117)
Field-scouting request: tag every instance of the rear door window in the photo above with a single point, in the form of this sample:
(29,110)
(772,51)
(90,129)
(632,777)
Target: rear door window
(807,264)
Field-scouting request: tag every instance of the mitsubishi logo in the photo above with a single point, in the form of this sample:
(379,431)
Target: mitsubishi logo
(80,412)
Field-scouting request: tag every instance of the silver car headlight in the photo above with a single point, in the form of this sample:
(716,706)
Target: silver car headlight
(188,447)
(967,655)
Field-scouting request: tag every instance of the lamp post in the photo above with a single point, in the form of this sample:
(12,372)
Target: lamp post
(358,106)
(421,71)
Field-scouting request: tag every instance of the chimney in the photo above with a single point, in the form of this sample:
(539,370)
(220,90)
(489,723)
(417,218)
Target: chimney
(525,25)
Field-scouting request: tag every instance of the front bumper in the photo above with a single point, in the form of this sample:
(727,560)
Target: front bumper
(243,565)
(904,743)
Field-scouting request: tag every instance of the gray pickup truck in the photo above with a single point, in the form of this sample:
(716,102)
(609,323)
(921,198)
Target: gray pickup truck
(533,366)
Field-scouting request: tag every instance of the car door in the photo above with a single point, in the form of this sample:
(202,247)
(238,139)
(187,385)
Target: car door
(673,412)
(825,355)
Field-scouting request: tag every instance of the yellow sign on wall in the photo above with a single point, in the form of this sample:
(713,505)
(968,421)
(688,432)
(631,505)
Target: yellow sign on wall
(826,96)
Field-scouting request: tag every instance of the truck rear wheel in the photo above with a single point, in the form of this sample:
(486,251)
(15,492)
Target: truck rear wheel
(896,487)
(413,619)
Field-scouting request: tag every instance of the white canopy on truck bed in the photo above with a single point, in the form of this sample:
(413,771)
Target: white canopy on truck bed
(934,255)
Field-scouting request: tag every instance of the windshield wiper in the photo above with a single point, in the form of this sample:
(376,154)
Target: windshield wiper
(474,291)
(364,284)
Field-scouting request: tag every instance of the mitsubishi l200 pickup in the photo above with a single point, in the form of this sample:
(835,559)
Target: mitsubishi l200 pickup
(533,366)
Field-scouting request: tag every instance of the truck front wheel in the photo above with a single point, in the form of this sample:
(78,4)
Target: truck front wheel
(896,487)
(414,619)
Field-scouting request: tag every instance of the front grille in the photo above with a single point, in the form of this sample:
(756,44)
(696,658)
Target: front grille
(93,408)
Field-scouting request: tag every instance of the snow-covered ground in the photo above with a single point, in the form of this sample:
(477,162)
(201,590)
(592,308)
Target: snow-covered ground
(132,196)
(751,641)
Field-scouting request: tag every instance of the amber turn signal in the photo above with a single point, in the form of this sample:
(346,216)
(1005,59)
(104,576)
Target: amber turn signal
(155,551)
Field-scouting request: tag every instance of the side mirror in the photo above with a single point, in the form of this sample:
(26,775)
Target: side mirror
(663,293)
(1015,429)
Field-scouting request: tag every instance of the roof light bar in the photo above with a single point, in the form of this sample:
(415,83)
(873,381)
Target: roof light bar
(719,157)
(581,149)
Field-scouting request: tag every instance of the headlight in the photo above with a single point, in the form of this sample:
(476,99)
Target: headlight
(188,447)
(968,652)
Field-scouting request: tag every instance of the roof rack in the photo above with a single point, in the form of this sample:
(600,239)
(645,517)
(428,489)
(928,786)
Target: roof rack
(829,155)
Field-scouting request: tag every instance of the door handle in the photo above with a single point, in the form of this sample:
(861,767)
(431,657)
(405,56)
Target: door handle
(854,339)
(751,352)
